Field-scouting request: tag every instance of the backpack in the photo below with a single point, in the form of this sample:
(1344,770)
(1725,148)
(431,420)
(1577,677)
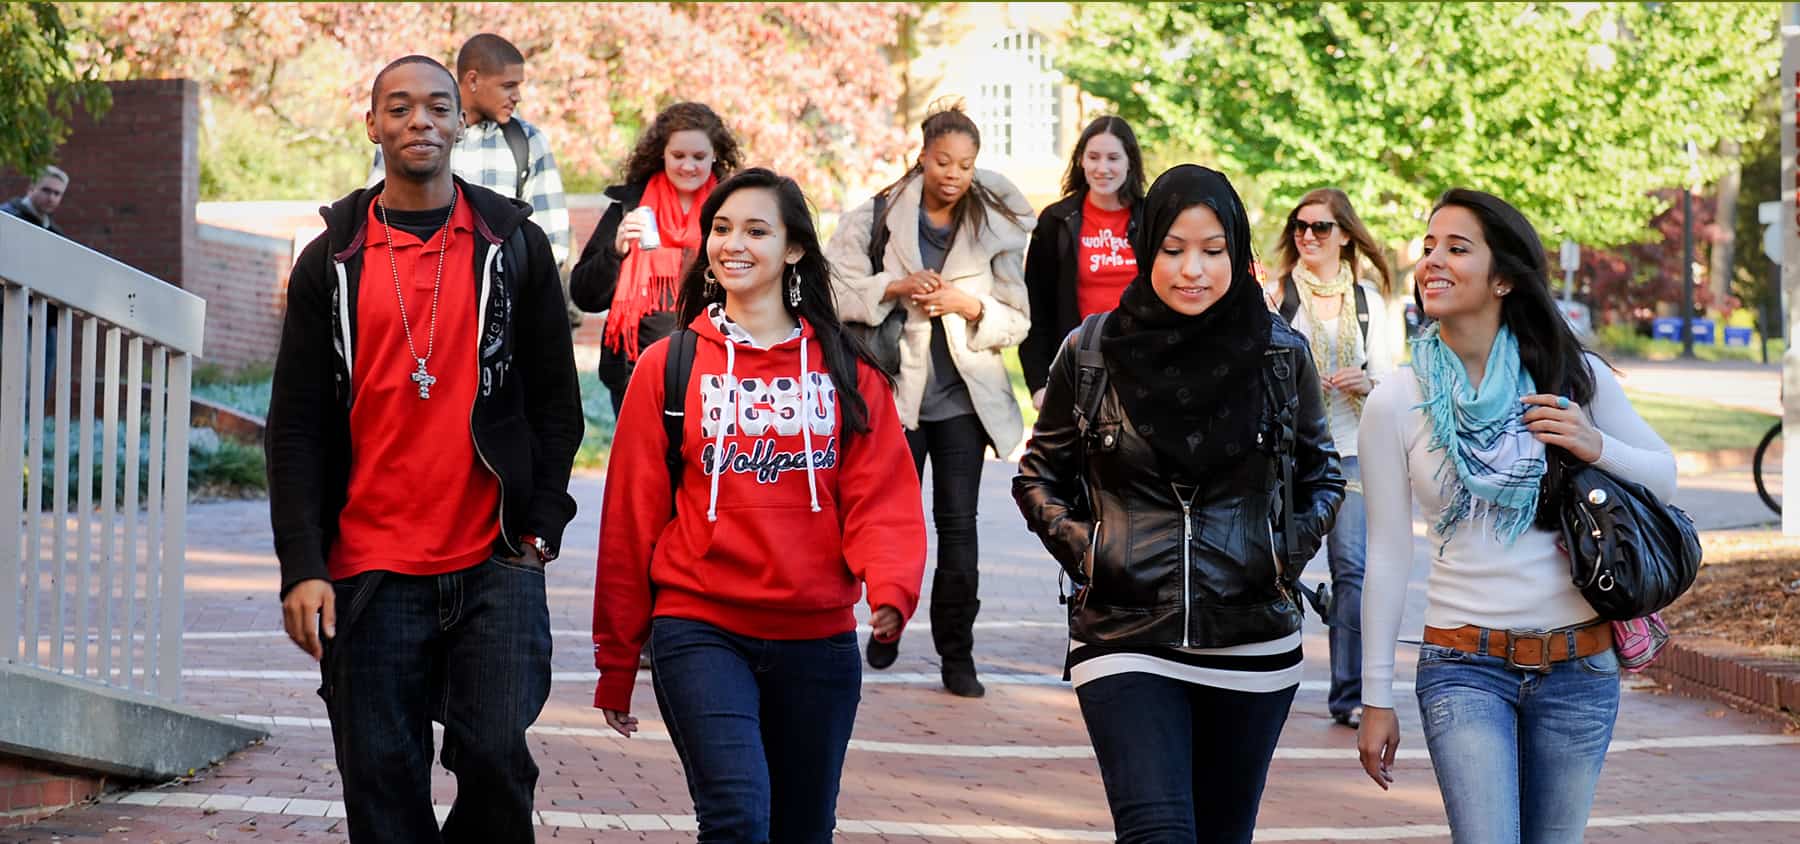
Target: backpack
(678,367)
(1290,305)
(521,150)
(1283,390)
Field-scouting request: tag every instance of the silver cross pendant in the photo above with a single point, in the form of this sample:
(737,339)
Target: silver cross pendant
(423,379)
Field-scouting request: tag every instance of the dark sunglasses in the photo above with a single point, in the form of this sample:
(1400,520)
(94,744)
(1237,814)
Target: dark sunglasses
(1320,228)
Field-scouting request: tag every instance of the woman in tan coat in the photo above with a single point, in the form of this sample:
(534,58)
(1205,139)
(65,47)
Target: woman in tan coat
(953,258)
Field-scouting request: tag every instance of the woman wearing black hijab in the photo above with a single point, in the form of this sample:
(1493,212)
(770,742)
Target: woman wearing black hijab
(1185,625)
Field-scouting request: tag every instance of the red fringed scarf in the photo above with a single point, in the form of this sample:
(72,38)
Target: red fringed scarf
(648,280)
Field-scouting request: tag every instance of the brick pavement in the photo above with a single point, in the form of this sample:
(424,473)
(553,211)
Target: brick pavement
(1012,765)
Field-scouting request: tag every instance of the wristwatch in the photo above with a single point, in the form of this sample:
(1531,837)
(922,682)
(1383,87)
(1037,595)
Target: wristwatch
(538,546)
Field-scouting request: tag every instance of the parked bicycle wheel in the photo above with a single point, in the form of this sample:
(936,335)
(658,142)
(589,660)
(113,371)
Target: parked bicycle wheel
(1769,454)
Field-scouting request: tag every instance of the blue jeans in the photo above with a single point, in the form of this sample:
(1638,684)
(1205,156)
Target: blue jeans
(1346,550)
(1517,753)
(469,650)
(1177,758)
(761,727)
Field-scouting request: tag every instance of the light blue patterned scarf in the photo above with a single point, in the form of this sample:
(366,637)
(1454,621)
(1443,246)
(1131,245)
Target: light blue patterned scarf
(1492,463)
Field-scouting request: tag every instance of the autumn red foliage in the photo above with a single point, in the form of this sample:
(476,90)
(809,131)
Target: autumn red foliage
(810,88)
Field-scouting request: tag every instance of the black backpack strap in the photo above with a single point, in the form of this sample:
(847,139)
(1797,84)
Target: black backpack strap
(518,253)
(1290,298)
(1090,384)
(878,233)
(677,368)
(1362,318)
(521,150)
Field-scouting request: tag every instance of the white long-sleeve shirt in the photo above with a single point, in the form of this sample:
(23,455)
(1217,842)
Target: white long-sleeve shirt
(1475,579)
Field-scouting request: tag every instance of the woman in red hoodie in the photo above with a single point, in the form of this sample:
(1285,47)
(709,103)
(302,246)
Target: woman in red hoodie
(794,491)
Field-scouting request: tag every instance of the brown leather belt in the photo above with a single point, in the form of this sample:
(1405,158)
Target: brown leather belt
(1527,650)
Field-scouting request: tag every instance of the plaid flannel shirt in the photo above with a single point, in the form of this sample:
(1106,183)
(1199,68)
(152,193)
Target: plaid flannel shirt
(483,158)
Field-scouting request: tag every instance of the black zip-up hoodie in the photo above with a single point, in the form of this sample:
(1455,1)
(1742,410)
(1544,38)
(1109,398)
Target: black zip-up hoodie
(526,423)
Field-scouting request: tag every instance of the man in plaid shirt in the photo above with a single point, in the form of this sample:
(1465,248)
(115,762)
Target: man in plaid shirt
(489,71)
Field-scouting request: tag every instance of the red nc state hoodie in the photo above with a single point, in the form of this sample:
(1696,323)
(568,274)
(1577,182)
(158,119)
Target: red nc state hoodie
(778,521)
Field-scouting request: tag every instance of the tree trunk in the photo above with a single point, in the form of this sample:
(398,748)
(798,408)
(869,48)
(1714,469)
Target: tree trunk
(1724,249)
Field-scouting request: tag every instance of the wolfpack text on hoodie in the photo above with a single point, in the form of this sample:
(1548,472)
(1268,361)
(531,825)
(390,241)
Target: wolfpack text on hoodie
(779,520)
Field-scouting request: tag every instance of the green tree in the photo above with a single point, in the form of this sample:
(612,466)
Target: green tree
(1574,116)
(39,86)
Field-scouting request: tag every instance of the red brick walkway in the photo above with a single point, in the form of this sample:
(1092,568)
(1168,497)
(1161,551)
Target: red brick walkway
(927,766)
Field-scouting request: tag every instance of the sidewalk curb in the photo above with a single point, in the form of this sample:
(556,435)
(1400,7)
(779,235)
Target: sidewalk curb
(1734,675)
(1688,463)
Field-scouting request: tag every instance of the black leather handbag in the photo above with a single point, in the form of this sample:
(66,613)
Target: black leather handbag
(1629,553)
(882,341)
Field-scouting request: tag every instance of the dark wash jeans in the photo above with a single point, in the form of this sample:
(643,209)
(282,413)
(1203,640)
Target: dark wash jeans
(954,447)
(761,727)
(1178,759)
(469,650)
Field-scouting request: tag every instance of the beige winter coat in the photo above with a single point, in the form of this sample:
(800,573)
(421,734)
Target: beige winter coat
(989,266)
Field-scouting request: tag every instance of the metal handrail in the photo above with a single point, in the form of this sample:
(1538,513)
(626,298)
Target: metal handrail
(83,580)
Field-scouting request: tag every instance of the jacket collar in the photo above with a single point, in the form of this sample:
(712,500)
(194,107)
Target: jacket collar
(346,220)
(968,256)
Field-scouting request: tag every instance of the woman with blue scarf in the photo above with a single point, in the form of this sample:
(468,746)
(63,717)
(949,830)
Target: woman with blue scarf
(1517,681)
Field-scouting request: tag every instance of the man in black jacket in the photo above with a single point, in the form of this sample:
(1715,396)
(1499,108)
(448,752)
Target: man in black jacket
(423,424)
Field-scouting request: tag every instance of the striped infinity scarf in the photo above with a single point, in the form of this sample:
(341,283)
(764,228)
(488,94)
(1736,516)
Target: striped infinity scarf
(1492,463)
(1347,328)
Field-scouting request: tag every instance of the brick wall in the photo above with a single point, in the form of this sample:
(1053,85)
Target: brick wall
(30,790)
(243,278)
(134,176)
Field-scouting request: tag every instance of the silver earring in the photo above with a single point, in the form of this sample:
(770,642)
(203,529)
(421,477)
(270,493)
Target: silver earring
(712,284)
(794,288)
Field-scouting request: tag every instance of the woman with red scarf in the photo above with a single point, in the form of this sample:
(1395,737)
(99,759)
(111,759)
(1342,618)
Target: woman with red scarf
(685,152)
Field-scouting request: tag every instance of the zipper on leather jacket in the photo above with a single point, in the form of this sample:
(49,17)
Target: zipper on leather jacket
(1187,550)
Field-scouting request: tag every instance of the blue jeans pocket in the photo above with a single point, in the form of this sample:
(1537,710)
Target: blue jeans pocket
(528,564)
(1439,653)
(1603,664)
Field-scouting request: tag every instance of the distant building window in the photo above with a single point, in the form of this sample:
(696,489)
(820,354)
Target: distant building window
(1018,103)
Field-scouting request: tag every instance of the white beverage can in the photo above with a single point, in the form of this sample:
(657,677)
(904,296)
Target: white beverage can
(651,238)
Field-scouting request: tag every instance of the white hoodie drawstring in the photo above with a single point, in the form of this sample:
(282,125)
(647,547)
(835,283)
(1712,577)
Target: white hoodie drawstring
(812,485)
(728,418)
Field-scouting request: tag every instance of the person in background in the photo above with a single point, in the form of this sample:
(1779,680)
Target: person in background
(1080,257)
(35,207)
(1184,627)
(45,196)
(745,574)
(1323,253)
(497,149)
(678,160)
(1518,682)
(954,258)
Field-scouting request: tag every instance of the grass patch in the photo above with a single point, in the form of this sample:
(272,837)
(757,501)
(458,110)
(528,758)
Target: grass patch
(596,408)
(1015,372)
(1700,426)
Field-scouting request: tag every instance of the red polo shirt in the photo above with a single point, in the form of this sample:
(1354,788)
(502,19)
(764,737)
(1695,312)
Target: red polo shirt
(421,502)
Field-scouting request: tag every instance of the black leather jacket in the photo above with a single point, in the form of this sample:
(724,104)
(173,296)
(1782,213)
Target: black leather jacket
(1162,568)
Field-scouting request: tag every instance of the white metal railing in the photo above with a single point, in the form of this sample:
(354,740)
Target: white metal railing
(98,578)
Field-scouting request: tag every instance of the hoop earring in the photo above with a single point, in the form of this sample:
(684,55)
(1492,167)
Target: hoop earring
(794,288)
(712,284)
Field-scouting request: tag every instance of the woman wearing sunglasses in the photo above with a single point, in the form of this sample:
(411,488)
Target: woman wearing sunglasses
(1324,252)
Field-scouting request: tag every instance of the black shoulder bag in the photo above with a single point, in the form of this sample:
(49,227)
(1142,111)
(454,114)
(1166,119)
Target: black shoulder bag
(882,341)
(1629,553)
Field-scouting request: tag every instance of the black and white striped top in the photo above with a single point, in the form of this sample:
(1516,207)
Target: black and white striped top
(1252,667)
